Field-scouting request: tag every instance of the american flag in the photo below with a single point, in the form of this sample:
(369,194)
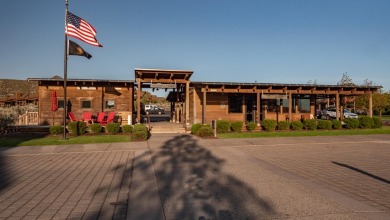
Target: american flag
(82,30)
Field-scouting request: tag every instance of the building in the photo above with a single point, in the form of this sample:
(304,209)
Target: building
(194,102)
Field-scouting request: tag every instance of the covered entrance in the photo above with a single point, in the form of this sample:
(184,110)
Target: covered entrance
(174,81)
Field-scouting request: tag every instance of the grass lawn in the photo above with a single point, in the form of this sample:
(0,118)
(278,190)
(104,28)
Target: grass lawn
(383,130)
(35,139)
(384,117)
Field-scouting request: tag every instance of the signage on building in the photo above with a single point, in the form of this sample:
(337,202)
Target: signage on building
(163,86)
(273,96)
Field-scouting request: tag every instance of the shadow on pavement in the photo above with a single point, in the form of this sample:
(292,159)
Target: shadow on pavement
(5,175)
(14,139)
(362,172)
(192,185)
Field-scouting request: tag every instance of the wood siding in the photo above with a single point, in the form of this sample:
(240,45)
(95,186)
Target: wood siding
(122,97)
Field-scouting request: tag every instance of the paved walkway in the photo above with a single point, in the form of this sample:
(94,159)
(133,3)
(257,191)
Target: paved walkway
(178,176)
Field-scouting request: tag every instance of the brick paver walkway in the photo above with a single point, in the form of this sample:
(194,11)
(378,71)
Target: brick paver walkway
(358,167)
(79,185)
(184,177)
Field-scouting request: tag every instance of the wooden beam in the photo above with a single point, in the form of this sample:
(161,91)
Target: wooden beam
(204,108)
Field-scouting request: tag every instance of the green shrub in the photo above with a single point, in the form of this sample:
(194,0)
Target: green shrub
(95,128)
(377,123)
(336,124)
(284,125)
(205,131)
(195,128)
(82,126)
(237,126)
(325,124)
(251,126)
(127,129)
(366,122)
(310,124)
(56,129)
(223,126)
(351,123)
(269,124)
(297,125)
(112,128)
(140,132)
(72,127)
(77,127)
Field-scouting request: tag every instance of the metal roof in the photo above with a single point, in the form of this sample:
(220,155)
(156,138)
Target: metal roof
(281,85)
(80,80)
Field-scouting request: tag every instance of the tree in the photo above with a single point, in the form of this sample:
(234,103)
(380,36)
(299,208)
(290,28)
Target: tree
(346,80)
(380,101)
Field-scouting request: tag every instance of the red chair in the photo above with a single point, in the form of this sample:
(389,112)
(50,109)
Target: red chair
(101,118)
(111,117)
(87,118)
(72,117)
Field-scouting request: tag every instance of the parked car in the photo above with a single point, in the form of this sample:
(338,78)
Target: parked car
(148,107)
(331,113)
(155,110)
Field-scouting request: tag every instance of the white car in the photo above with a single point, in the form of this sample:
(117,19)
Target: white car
(331,113)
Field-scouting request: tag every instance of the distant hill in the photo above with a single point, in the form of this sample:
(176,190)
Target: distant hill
(11,87)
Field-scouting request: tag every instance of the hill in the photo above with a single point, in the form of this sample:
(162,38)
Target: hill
(11,87)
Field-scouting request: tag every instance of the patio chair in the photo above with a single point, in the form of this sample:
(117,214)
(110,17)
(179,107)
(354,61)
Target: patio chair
(101,118)
(87,118)
(111,117)
(72,117)
(105,120)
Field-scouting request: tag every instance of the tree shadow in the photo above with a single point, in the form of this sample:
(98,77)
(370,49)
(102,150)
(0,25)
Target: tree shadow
(5,173)
(362,172)
(15,138)
(192,185)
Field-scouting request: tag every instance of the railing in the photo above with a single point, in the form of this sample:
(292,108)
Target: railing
(28,118)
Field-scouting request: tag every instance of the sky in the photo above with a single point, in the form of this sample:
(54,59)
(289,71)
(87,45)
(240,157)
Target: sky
(264,41)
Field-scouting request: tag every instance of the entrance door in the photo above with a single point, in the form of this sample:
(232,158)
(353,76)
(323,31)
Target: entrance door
(250,101)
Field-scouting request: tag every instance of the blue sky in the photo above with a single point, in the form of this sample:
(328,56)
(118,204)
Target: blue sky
(278,41)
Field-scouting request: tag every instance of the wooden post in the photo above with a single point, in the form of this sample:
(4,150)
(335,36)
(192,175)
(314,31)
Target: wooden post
(337,106)
(187,103)
(204,107)
(194,120)
(290,107)
(139,101)
(243,103)
(370,105)
(258,108)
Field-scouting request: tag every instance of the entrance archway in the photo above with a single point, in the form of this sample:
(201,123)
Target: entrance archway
(177,81)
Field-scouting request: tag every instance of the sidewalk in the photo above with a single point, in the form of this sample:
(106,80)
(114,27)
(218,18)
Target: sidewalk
(178,176)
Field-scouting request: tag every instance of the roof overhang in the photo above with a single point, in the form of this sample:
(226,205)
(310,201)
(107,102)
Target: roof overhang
(82,82)
(233,87)
(162,75)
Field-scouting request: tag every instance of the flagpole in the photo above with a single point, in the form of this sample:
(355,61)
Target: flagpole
(65,67)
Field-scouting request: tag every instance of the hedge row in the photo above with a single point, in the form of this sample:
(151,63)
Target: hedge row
(224,126)
(138,131)
(312,124)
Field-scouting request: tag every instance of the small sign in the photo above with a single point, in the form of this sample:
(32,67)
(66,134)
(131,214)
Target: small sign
(213,125)
(213,122)
(273,96)
(163,86)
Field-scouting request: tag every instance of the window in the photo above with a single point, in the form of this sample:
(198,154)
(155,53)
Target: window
(235,104)
(60,103)
(86,104)
(110,104)
(303,103)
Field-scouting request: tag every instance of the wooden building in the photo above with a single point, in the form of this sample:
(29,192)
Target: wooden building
(254,102)
(83,95)
(194,102)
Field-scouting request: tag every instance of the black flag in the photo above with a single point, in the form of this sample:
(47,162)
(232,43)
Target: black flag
(75,49)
